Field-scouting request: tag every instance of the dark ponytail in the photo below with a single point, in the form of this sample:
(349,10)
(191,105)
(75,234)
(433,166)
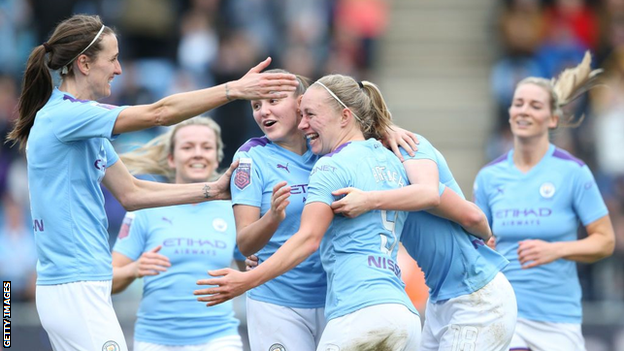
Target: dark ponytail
(36,90)
(70,38)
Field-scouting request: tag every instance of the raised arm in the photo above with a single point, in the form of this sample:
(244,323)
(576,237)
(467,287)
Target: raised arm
(179,107)
(254,232)
(134,194)
(315,220)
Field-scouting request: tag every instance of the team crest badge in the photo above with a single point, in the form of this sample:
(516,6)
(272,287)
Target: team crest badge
(110,346)
(243,173)
(219,224)
(332,347)
(124,231)
(277,347)
(547,190)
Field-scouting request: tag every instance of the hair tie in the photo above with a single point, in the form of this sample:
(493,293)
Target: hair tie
(47,47)
(360,84)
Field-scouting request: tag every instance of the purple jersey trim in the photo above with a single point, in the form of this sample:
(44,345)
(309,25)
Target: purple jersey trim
(519,349)
(73,99)
(564,155)
(253,142)
(337,149)
(500,159)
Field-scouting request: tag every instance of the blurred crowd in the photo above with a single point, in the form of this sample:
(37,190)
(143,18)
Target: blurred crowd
(541,38)
(176,45)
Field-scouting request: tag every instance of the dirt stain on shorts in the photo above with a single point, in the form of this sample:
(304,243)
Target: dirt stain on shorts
(380,340)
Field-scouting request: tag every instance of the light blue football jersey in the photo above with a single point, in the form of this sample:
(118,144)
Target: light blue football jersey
(454,262)
(196,239)
(262,165)
(68,152)
(360,254)
(545,203)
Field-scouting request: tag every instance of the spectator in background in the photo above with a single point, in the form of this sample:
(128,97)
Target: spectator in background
(521,26)
(150,28)
(236,51)
(19,257)
(608,107)
(199,41)
(358,25)
(571,28)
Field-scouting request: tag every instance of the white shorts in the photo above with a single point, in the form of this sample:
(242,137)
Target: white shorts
(387,327)
(547,336)
(483,320)
(279,328)
(79,316)
(226,343)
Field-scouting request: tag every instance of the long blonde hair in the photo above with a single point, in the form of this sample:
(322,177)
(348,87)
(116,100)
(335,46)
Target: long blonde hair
(569,86)
(152,158)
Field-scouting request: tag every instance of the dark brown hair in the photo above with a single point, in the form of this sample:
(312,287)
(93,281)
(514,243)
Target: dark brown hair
(69,38)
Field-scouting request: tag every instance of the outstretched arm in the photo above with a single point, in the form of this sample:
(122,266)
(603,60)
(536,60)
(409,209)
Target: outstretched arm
(315,220)
(134,194)
(179,107)
(254,232)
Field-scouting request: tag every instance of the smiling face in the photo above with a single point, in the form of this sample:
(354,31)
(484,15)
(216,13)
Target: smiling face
(194,154)
(278,119)
(530,114)
(103,68)
(320,121)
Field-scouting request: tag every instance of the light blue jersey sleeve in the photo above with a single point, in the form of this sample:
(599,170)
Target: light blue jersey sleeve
(132,236)
(111,155)
(426,151)
(89,120)
(588,202)
(246,183)
(238,256)
(480,197)
(326,176)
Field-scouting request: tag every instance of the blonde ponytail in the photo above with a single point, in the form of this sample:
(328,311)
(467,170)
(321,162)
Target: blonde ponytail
(571,84)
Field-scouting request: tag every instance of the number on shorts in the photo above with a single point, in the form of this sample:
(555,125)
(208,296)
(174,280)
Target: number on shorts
(388,240)
(465,338)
